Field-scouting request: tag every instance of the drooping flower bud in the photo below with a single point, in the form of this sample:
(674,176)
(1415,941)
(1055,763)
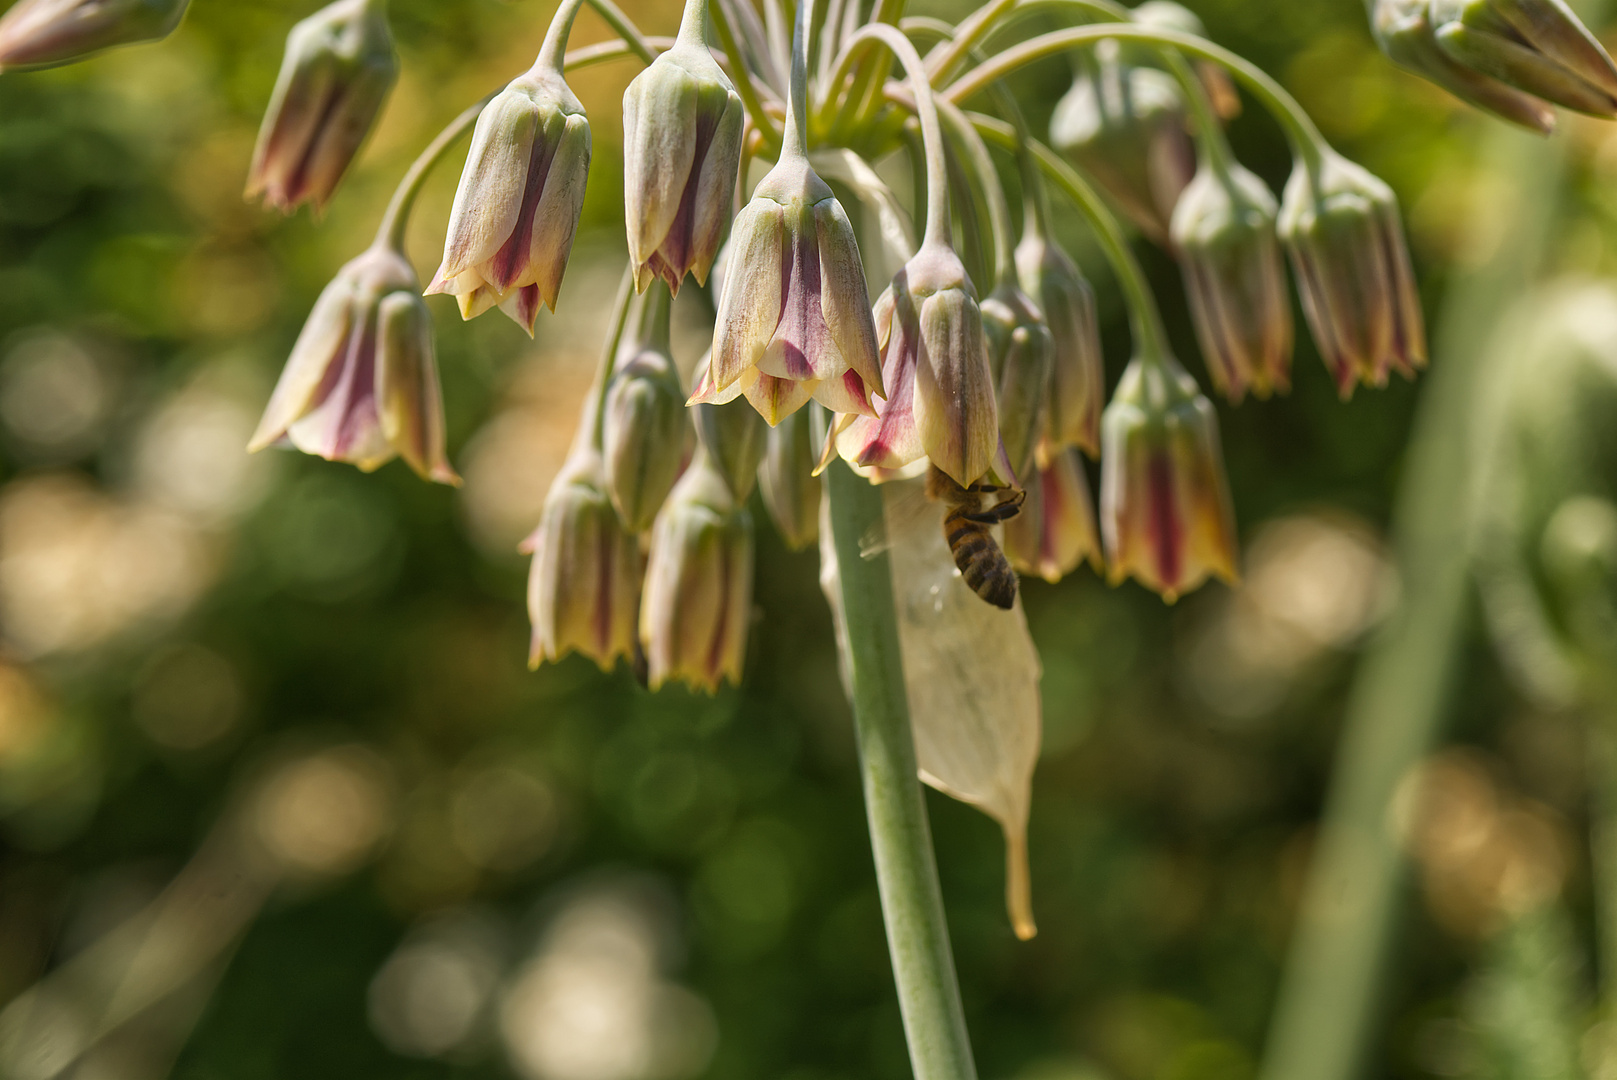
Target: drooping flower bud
(644,426)
(1056,529)
(519,200)
(338,70)
(1216,82)
(786,478)
(794,318)
(1125,127)
(1021,352)
(698,594)
(681,152)
(1340,226)
(44,33)
(940,385)
(1078,381)
(734,436)
(1501,55)
(1224,236)
(584,583)
(362,382)
(1165,506)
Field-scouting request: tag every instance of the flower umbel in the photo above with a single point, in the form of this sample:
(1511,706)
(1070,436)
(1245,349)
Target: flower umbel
(584,583)
(698,593)
(1224,237)
(362,382)
(44,33)
(519,200)
(1341,227)
(338,70)
(1165,509)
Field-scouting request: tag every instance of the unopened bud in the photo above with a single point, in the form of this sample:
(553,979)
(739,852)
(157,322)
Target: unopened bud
(681,153)
(1056,529)
(518,204)
(1021,352)
(644,426)
(734,437)
(1501,55)
(1340,226)
(44,33)
(1165,506)
(338,70)
(1078,378)
(1125,127)
(698,594)
(1224,236)
(786,478)
(794,308)
(361,384)
(584,584)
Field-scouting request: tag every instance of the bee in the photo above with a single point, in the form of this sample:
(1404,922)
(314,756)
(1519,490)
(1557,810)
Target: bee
(972,512)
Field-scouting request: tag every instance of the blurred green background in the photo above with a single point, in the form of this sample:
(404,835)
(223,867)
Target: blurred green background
(279,797)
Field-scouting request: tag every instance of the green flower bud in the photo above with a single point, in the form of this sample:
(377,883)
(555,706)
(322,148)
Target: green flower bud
(1021,351)
(681,153)
(1078,377)
(339,67)
(1340,225)
(1125,127)
(786,478)
(644,426)
(734,436)
(1224,237)
(519,200)
(698,593)
(584,584)
(45,33)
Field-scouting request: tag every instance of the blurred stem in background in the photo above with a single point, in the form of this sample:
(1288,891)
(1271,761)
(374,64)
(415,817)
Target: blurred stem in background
(1332,995)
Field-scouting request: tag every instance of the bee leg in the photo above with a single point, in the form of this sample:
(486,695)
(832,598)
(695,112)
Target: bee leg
(1001,511)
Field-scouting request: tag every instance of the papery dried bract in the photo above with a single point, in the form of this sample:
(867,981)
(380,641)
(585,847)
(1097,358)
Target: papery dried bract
(794,308)
(1077,381)
(44,33)
(1502,55)
(1340,225)
(361,384)
(940,384)
(1124,126)
(584,582)
(1165,509)
(1224,237)
(786,478)
(698,593)
(518,205)
(681,152)
(1021,352)
(338,70)
(1056,529)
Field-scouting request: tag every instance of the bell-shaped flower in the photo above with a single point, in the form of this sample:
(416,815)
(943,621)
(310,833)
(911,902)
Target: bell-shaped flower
(1509,57)
(1021,352)
(520,196)
(787,481)
(1340,226)
(44,33)
(362,382)
(681,153)
(1078,377)
(337,72)
(644,426)
(1165,512)
(734,436)
(584,583)
(1056,529)
(697,603)
(940,385)
(1124,126)
(794,319)
(1224,237)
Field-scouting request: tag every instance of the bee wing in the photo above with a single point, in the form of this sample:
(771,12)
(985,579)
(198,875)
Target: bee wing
(906,510)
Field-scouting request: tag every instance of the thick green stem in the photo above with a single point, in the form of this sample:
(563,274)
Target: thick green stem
(999,208)
(900,838)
